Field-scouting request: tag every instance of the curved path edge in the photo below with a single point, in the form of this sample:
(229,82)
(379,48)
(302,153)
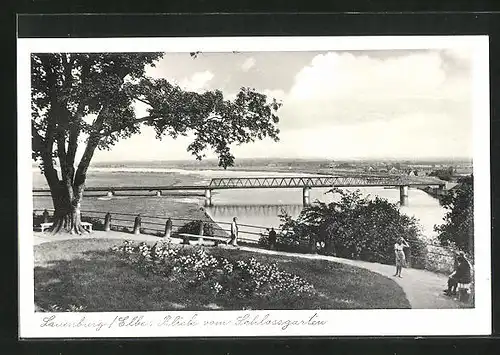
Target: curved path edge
(423,289)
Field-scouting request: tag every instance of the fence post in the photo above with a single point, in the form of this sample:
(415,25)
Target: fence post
(107,222)
(168,228)
(45,216)
(200,239)
(137,224)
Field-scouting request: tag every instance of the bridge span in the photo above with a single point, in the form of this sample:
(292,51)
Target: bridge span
(304,182)
(308,182)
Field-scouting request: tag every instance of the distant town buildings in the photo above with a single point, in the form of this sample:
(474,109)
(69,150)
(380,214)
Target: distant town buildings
(404,168)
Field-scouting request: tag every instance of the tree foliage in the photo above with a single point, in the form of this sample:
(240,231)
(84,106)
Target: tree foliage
(215,122)
(354,228)
(458,226)
(444,174)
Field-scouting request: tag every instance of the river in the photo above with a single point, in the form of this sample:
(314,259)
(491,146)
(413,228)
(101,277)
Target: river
(251,206)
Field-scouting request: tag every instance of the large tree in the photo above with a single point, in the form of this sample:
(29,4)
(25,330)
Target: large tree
(88,100)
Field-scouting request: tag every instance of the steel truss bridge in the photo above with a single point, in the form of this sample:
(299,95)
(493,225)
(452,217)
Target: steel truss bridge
(279,182)
(304,182)
(319,181)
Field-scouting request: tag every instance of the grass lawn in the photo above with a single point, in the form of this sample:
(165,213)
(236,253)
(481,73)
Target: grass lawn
(84,273)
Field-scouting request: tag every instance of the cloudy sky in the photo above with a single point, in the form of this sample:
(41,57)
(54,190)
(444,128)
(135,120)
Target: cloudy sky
(336,105)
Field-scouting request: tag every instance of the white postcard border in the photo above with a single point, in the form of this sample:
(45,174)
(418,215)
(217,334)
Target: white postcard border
(412,322)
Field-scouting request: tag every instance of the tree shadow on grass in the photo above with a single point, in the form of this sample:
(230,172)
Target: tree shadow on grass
(100,281)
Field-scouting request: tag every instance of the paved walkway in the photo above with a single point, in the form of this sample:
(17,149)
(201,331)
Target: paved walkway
(424,289)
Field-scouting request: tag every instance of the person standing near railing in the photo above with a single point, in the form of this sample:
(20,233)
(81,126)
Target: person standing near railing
(272,239)
(234,232)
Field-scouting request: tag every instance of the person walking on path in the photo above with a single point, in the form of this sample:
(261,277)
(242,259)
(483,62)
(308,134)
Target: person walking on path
(400,255)
(272,239)
(234,232)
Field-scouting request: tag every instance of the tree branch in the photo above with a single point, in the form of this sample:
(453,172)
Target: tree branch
(61,153)
(37,139)
(142,100)
(74,132)
(48,142)
(139,120)
(143,119)
(75,126)
(66,169)
(92,144)
(93,141)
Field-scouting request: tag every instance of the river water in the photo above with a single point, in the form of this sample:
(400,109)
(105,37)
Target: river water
(262,206)
(251,206)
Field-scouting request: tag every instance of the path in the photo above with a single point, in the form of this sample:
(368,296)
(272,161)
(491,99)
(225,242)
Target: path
(424,289)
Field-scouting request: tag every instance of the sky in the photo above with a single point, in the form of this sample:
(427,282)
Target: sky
(336,105)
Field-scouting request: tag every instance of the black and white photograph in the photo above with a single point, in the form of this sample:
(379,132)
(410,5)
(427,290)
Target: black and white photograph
(254,186)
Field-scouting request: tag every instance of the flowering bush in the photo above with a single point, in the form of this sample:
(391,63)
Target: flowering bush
(69,308)
(224,278)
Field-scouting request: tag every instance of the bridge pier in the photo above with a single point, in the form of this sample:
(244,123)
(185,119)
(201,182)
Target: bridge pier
(306,196)
(208,198)
(403,195)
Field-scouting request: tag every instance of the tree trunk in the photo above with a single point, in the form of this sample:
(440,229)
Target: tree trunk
(67,216)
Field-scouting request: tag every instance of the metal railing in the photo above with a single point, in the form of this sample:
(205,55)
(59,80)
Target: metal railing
(250,234)
(156,225)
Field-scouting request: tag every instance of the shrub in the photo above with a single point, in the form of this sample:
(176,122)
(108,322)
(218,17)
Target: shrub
(354,228)
(97,223)
(37,219)
(264,241)
(193,227)
(293,237)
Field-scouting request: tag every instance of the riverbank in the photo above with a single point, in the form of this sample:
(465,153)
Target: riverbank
(433,192)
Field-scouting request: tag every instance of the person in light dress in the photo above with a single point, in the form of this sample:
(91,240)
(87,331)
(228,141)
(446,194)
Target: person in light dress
(234,232)
(400,255)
